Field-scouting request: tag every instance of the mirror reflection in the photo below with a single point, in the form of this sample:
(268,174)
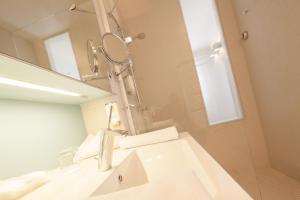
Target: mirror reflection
(52,34)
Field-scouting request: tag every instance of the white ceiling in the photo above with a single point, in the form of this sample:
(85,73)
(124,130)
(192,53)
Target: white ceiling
(40,18)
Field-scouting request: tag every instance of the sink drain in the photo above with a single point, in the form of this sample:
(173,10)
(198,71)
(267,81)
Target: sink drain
(120,178)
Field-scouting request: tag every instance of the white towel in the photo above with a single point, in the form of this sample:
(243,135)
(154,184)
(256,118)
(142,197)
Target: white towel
(153,137)
(14,188)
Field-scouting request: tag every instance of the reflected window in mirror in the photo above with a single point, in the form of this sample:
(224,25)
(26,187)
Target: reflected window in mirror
(61,55)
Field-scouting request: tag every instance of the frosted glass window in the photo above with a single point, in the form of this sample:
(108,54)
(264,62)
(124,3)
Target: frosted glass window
(212,61)
(61,55)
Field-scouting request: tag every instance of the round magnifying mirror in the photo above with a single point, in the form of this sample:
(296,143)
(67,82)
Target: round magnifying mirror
(92,56)
(115,49)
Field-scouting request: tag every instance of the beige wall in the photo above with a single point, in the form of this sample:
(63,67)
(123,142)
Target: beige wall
(25,49)
(7,44)
(17,46)
(31,51)
(41,54)
(273,54)
(170,88)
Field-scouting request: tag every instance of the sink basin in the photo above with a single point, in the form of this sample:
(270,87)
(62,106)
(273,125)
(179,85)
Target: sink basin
(168,159)
(155,163)
(129,173)
(156,169)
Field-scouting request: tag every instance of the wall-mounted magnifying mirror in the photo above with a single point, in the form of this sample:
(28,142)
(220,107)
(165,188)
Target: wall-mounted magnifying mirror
(115,49)
(100,68)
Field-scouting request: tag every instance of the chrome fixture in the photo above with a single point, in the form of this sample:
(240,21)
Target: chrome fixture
(91,77)
(245,12)
(123,55)
(120,178)
(111,15)
(139,36)
(106,147)
(92,56)
(245,35)
(128,40)
(119,29)
(119,56)
(107,144)
(73,7)
(105,150)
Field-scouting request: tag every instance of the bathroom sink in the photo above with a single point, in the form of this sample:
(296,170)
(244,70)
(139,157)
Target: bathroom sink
(154,163)
(151,168)
(129,173)
(168,159)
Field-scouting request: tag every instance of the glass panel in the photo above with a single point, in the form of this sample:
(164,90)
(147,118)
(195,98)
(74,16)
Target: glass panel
(212,61)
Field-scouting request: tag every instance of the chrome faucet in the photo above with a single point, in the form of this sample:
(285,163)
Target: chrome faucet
(106,146)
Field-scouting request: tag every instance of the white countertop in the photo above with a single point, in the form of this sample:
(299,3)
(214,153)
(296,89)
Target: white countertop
(160,161)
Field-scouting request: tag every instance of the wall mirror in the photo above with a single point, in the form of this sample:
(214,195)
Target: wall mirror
(53,34)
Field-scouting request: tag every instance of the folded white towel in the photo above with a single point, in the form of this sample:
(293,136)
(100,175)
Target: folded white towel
(153,137)
(14,188)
